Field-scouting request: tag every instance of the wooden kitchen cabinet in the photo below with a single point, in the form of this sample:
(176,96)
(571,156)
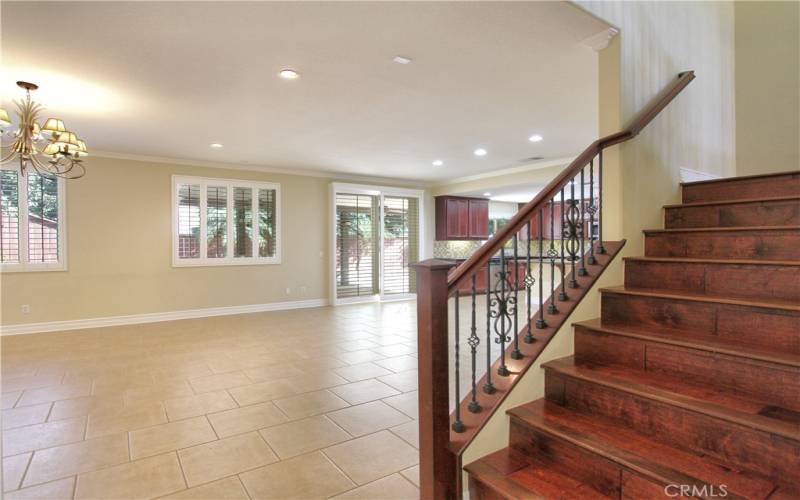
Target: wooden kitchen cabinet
(459,218)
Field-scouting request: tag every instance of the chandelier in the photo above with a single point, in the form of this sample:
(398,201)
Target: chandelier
(51,150)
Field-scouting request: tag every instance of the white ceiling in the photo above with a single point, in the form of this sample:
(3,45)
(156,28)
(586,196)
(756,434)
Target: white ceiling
(166,79)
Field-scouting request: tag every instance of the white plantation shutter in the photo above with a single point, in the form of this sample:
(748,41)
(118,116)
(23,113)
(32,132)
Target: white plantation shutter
(357,239)
(9,216)
(400,243)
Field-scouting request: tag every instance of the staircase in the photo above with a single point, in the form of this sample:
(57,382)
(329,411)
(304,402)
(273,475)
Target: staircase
(689,383)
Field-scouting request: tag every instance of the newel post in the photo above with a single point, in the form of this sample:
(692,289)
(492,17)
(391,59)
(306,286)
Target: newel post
(437,464)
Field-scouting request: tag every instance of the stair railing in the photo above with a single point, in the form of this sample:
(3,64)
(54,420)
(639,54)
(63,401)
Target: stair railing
(537,258)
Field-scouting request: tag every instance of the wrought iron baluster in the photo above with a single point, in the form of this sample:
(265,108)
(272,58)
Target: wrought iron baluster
(582,270)
(592,209)
(488,387)
(458,426)
(473,342)
(503,306)
(529,282)
(562,296)
(600,248)
(516,353)
(552,254)
(540,323)
(571,227)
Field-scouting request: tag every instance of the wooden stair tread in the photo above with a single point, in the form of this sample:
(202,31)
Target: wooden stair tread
(717,229)
(512,474)
(676,295)
(740,178)
(660,462)
(705,400)
(733,202)
(709,344)
(733,262)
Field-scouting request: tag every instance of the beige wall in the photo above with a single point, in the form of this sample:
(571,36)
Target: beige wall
(119,250)
(767,87)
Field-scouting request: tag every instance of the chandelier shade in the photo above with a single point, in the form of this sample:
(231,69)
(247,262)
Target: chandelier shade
(5,121)
(54,126)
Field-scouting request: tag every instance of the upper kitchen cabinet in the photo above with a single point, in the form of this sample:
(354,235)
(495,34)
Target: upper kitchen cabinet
(459,218)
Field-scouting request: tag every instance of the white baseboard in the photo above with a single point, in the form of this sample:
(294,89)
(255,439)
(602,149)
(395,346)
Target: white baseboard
(690,175)
(133,319)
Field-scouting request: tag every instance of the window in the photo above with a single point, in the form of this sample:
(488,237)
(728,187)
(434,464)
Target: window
(31,227)
(225,222)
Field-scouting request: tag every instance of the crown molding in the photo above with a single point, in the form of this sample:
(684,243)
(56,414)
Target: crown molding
(600,40)
(325,174)
(507,171)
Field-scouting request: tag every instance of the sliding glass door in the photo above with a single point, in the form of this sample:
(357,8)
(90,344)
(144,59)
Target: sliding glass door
(376,239)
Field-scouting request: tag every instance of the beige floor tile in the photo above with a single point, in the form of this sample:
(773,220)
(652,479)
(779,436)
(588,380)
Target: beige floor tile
(34,437)
(71,459)
(394,350)
(403,382)
(311,403)
(261,392)
(409,432)
(57,490)
(366,390)
(158,393)
(371,457)
(54,393)
(87,405)
(147,478)
(355,357)
(25,415)
(9,399)
(363,371)
(368,417)
(304,477)
(408,403)
(399,363)
(273,372)
(318,364)
(172,436)
(224,489)
(125,419)
(193,406)
(394,487)
(315,381)
(250,418)
(412,474)
(303,436)
(13,470)
(219,381)
(31,381)
(218,459)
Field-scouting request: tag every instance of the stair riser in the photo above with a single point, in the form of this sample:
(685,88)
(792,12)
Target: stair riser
(480,491)
(777,244)
(766,213)
(743,189)
(778,385)
(750,449)
(772,282)
(767,329)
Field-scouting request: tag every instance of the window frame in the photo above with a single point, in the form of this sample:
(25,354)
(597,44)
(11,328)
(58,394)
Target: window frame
(24,266)
(229,259)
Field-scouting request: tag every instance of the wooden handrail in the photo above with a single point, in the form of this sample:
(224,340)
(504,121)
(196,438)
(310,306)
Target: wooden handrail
(478,259)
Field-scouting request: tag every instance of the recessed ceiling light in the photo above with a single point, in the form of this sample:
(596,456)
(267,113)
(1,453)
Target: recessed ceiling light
(487,194)
(438,163)
(480,152)
(216,145)
(535,138)
(401,60)
(289,74)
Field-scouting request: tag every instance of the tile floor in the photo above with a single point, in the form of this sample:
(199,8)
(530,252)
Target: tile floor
(313,403)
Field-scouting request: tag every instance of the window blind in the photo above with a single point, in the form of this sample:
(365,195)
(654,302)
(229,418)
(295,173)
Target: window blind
(189,221)
(217,222)
(357,238)
(266,222)
(400,244)
(9,216)
(242,222)
(42,218)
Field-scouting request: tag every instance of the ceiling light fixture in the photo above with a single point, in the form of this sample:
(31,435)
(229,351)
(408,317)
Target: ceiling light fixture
(487,194)
(289,74)
(438,163)
(401,60)
(216,145)
(480,152)
(52,150)
(535,138)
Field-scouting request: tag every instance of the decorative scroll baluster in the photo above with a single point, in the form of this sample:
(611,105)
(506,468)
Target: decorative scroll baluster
(529,281)
(582,270)
(516,353)
(552,254)
(562,296)
(540,323)
(458,426)
(488,387)
(473,342)
(571,229)
(502,306)
(600,248)
(592,209)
